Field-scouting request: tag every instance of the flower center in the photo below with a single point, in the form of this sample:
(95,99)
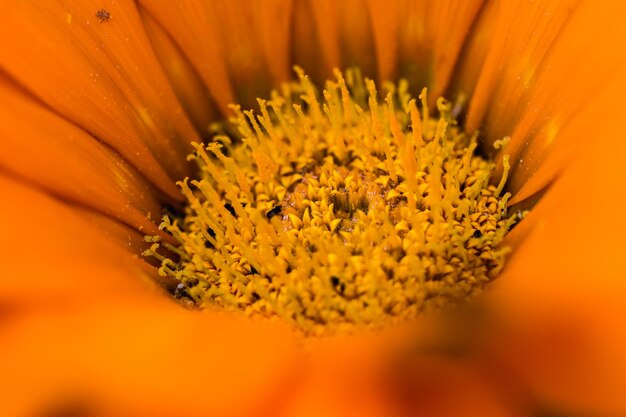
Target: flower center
(337,210)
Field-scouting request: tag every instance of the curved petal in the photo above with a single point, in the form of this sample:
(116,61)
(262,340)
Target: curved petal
(343,32)
(53,256)
(122,235)
(343,377)
(391,374)
(92,334)
(142,359)
(236,47)
(562,297)
(543,66)
(411,39)
(307,51)
(104,78)
(51,153)
(592,68)
(475,50)
(185,81)
(434,386)
(420,40)
(519,43)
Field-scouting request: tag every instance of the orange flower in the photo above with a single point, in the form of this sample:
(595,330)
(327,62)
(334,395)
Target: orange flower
(96,118)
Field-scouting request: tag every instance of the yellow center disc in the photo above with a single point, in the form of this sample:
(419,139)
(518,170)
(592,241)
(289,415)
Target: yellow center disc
(335,210)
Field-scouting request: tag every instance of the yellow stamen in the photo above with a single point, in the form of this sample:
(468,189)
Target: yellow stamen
(338,213)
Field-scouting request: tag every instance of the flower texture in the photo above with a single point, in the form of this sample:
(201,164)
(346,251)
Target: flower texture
(99,104)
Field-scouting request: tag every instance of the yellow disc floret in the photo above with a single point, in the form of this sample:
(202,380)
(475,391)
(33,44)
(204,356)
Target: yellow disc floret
(337,210)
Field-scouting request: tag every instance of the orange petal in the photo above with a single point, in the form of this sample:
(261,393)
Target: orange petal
(121,234)
(385,17)
(434,386)
(48,152)
(383,374)
(187,24)
(356,36)
(326,28)
(273,26)
(141,358)
(330,35)
(185,81)
(82,327)
(475,49)
(520,41)
(102,76)
(343,378)
(236,48)
(563,295)
(42,238)
(543,65)
(420,41)
(590,67)
(308,52)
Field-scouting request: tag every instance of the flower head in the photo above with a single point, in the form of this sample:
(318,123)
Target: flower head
(100,103)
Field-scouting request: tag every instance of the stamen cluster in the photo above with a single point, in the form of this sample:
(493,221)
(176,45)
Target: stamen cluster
(337,210)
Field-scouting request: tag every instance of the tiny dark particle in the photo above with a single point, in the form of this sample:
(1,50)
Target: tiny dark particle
(181,291)
(477,233)
(103,15)
(256,296)
(274,212)
(167,208)
(253,270)
(230,209)
(438,276)
(211,232)
(389,272)
(208,245)
(170,210)
(339,286)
